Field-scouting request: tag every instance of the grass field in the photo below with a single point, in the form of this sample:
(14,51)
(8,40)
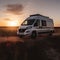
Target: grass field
(7,31)
(47,48)
(42,48)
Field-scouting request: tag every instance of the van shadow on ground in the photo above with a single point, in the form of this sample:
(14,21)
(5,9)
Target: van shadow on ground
(43,49)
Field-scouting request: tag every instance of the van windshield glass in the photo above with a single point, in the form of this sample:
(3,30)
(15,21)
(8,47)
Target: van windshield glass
(28,22)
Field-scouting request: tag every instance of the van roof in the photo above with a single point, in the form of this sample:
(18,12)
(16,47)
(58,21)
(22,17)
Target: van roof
(38,15)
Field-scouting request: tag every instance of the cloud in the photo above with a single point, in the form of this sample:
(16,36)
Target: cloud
(14,8)
(6,19)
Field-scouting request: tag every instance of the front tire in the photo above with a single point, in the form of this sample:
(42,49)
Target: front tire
(34,34)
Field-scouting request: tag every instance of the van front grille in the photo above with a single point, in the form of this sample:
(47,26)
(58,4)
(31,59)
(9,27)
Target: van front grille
(22,30)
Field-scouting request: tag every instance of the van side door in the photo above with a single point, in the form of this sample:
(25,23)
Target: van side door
(43,26)
(37,25)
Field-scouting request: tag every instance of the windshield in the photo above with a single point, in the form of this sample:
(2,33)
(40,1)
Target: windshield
(28,22)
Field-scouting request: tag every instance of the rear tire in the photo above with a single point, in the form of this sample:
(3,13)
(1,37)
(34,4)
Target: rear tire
(34,34)
(50,33)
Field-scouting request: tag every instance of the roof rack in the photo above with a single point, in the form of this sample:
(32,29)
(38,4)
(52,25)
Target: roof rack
(35,15)
(39,15)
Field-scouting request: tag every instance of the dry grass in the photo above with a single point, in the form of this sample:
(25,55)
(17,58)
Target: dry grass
(47,48)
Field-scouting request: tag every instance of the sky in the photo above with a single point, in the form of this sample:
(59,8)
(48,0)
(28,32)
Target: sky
(13,12)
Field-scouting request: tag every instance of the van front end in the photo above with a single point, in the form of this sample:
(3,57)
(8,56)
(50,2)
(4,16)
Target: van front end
(23,32)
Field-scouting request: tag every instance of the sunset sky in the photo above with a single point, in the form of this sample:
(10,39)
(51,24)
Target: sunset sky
(13,12)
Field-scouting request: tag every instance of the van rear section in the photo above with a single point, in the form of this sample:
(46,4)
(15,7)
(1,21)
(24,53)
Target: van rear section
(36,24)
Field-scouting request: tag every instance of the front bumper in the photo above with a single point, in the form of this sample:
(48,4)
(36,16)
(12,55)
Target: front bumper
(24,34)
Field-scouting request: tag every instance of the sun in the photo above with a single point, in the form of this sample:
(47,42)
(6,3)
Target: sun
(12,23)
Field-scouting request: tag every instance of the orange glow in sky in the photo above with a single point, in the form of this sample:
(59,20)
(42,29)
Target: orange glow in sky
(12,23)
(13,12)
(11,20)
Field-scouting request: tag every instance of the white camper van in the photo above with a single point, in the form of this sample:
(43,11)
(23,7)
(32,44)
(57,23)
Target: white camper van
(36,24)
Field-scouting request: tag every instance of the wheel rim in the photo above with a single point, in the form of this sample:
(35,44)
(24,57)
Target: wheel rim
(33,35)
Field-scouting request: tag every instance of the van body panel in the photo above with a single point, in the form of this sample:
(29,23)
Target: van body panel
(38,23)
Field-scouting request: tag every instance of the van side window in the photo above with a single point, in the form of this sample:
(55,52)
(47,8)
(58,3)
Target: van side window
(43,22)
(37,23)
(30,21)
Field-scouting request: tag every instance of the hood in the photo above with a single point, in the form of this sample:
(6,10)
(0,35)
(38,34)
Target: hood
(25,27)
